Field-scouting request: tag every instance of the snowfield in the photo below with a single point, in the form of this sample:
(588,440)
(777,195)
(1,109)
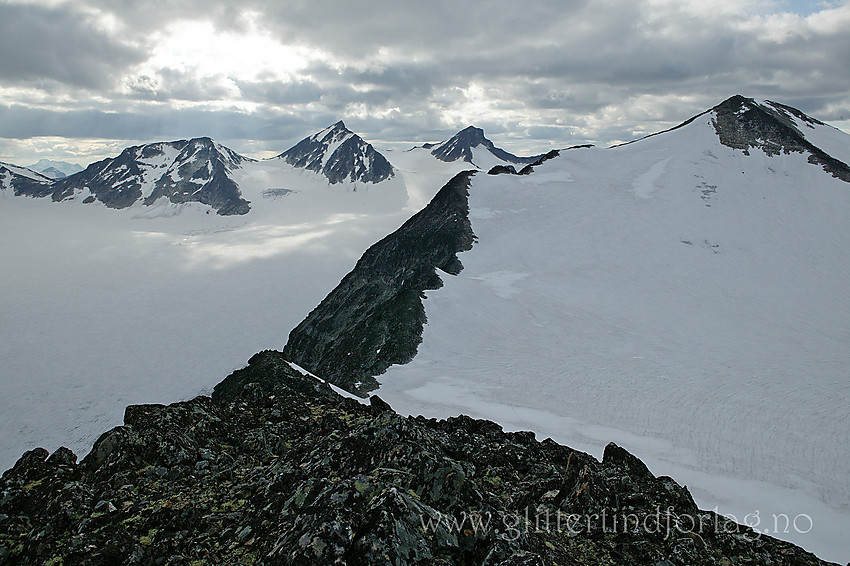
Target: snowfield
(101,308)
(673,295)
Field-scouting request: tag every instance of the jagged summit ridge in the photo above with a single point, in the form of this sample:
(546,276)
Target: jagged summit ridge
(461,145)
(339,154)
(195,170)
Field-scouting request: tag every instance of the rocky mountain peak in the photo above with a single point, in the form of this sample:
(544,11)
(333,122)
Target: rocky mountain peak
(460,146)
(53,173)
(474,136)
(339,154)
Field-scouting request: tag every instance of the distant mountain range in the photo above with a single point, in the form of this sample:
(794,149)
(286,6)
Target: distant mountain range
(195,170)
(54,169)
(201,170)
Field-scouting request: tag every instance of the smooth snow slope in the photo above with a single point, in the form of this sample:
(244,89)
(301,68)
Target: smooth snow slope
(673,295)
(100,308)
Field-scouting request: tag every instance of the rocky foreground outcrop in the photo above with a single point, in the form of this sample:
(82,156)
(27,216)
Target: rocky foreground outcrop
(276,468)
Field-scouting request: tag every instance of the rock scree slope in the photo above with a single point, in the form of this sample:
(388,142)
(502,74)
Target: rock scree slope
(276,468)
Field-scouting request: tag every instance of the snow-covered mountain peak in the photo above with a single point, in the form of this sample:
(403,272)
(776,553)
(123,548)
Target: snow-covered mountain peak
(206,149)
(339,126)
(471,145)
(55,169)
(200,173)
(743,122)
(340,155)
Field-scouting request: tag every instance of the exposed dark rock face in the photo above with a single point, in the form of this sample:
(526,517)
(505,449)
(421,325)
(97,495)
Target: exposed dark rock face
(276,468)
(528,169)
(339,154)
(552,154)
(460,146)
(502,170)
(742,123)
(198,173)
(788,110)
(374,317)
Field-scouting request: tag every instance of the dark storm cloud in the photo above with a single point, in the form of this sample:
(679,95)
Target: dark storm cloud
(61,44)
(280,93)
(401,79)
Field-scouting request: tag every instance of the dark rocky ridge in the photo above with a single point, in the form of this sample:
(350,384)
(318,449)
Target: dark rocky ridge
(460,146)
(528,169)
(12,178)
(276,468)
(374,317)
(199,173)
(352,158)
(502,170)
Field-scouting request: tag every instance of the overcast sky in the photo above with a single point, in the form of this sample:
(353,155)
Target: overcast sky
(81,80)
